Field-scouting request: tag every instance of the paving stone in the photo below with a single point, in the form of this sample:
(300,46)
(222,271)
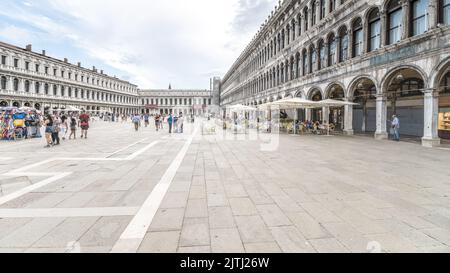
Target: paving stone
(253,229)
(290,240)
(221,217)
(309,227)
(197,208)
(273,216)
(328,245)
(242,207)
(195,232)
(160,242)
(226,241)
(269,247)
(167,220)
(105,232)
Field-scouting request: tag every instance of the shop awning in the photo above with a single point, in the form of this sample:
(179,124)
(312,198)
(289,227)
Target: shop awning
(240,107)
(333,103)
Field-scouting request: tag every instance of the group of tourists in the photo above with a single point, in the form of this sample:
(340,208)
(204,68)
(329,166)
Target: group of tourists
(58,126)
(175,123)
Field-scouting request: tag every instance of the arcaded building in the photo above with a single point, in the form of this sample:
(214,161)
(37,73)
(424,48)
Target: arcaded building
(390,57)
(36,80)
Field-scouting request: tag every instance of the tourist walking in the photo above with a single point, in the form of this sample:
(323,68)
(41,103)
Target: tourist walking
(157,120)
(136,120)
(84,124)
(395,127)
(73,128)
(170,122)
(56,130)
(181,123)
(48,122)
(146,120)
(64,127)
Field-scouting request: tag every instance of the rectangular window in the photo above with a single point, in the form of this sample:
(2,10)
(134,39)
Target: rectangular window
(446,11)
(419,17)
(16,63)
(357,43)
(54,71)
(37,67)
(27,65)
(3,60)
(395,29)
(46,70)
(375,35)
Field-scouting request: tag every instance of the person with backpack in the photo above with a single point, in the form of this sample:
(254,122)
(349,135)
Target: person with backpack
(84,124)
(48,122)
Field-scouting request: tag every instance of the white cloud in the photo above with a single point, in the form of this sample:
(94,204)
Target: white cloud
(154,42)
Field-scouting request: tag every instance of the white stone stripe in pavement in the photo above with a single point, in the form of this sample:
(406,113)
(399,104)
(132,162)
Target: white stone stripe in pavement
(21,192)
(132,237)
(68,212)
(125,148)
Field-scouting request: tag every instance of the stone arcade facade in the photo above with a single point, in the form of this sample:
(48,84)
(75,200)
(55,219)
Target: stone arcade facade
(390,56)
(35,80)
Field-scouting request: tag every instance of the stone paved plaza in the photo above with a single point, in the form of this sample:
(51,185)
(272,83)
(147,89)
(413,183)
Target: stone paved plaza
(123,191)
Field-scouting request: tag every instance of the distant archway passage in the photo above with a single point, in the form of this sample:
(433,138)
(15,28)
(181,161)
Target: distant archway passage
(3,104)
(337,113)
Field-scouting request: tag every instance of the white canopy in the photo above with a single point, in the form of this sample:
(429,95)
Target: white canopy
(240,107)
(333,103)
(295,103)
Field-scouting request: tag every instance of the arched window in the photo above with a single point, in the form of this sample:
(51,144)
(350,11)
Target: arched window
(37,87)
(322,54)
(63,91)
(305,62)
(46,89)
(374,30)
(445,12)
(16,85)
(69,91)
(292,68)
(323,7)
(332,4)
(331,50)
(305,15)
(27,86)
(395,15)
(312,59)
(357,38)
(313,13)
(343,44)
(298,63)
(3,84)
(419,17)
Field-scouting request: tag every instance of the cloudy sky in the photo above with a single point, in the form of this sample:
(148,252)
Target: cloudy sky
(149,42)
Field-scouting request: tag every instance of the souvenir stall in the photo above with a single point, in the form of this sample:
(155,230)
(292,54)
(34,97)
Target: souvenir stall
(19,123)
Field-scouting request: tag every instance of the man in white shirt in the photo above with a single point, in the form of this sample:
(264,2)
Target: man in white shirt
(396,127)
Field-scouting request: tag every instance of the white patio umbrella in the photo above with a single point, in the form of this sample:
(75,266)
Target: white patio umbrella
(240,107)
(295,103)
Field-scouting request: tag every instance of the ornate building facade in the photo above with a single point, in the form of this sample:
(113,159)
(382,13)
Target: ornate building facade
(35,80)
(389,56)
(188,102)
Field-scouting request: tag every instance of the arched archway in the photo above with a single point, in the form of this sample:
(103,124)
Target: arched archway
(443,87)
(403,89)
(315,114)
(363,91)
(37,106)
(27,104)
(3,103)
(336,114)
(16,104)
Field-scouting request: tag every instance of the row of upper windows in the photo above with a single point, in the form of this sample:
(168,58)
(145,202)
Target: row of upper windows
(175,101)
(347,44)
(27,65)
(61,91)
(418,24)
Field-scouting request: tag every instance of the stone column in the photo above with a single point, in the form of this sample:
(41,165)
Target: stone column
(405,23)
(365,45)
(383,26)
(433,13)
(348,118)
(10,84)
(326,52)
(431,111)
(326,115)
(338,47)
(21,85)
(381,132)
(350,44)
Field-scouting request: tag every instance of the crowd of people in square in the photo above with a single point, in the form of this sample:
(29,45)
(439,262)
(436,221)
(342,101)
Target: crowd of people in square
(175,123)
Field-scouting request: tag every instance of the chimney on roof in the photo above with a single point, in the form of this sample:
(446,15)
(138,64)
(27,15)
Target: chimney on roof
(79,64)
(101,72)
(66,60)
(43,52)
(29,47)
